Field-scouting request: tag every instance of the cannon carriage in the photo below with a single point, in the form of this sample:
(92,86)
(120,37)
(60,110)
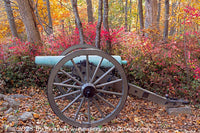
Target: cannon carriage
(88,87)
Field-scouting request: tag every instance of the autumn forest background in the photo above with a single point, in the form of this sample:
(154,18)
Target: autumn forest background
(160,39)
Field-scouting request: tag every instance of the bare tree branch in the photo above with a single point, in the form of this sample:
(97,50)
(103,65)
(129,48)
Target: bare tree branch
(89,11)
(165,33)
(78,21)
(42,23)
(106,26)
(140,9)
(50,23)
(98,27)
(10,17)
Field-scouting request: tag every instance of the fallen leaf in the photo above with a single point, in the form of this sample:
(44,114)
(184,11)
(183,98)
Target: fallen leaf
(136,119)
(28,109)
(12,123)
(36,116)
(1,103)
(198,122)
(4,119)
(21,123)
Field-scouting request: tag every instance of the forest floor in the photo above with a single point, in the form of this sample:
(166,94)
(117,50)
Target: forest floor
(137,116)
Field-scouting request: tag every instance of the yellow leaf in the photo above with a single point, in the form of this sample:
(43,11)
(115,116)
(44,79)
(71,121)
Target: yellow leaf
(21,123)
(198,122)
(4,119)
(36,116)
(28,109)
(1,103)
(12,124)
(136,119)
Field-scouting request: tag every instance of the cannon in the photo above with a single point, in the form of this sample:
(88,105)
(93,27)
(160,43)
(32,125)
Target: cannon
(88,87)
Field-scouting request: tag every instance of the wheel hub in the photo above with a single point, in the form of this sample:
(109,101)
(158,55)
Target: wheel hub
(88,90)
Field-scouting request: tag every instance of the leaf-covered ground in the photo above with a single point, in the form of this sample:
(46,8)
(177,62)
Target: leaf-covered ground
(137,115)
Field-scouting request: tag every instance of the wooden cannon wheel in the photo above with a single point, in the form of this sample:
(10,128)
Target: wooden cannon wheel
(75,47)
(92,105)
(67,51)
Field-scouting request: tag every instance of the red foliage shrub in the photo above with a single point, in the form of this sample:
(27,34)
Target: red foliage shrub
(171,68)
(192,15)
(1,53)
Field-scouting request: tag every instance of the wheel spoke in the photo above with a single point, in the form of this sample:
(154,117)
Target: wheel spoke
(60,73)
(87,68)
(71,93)
(105,100)
(78,70)
(70,88)
(84,93)
(83,99)
(89,115)
(63,82)
(71,103)
(67,85)
(109,92)
(99,79)
(95,72)
(108,83)
(97,105)
(71,77)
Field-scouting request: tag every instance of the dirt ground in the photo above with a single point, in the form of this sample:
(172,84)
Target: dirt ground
(137,116)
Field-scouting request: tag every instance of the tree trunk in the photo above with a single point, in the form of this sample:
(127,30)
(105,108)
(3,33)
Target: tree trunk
(130,11)
(165,33)
(126,16)
(140,9)
(158,17)
(62,21)
(78,21)
(29,20)
(106,26)
(10,18)
(89,11)
(98,27)
(50,25)
(150,14)
(173,29)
